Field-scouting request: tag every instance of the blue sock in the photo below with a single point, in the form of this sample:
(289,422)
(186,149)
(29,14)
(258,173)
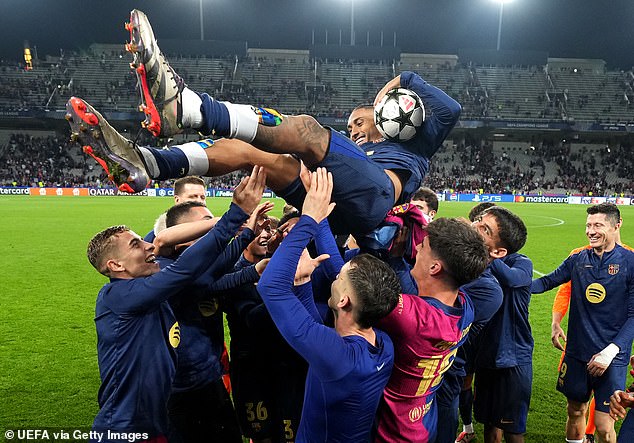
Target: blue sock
(466,405)
(177,161)
(163,164)
(215,117)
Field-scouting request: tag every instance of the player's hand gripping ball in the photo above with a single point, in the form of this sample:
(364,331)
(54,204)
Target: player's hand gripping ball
(399,114)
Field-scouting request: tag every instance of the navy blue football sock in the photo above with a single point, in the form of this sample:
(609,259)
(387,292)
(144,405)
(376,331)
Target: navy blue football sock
(466,406)
(163,164)
(215,117)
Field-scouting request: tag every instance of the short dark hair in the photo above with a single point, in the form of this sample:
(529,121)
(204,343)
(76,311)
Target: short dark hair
(610,210)
(289,215)
(478,209)
(189,180)
(101,245)
(376,288)
(460,248)
(288,208)
(511,228)
(363,107)
(176,213)
(428,196)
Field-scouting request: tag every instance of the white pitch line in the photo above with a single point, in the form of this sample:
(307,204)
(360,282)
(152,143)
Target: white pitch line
(559,221)
(541,274)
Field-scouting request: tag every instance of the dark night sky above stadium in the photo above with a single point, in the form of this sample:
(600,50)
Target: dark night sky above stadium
(563,28)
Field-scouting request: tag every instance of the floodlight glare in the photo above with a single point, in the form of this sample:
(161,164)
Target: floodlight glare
(501,2)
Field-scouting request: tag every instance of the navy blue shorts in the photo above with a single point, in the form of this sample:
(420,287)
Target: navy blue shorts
(577,384)
(362,190)
(502,397)
(268,397)
(626,435)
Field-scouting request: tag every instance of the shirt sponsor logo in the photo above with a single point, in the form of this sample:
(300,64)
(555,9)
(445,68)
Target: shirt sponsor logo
(595,293)
(415,414)
(175,335)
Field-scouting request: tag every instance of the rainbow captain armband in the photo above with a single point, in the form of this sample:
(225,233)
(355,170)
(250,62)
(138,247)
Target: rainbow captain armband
(269,116)
(206,143)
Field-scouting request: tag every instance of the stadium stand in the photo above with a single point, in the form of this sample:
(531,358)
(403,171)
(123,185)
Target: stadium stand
(561,97)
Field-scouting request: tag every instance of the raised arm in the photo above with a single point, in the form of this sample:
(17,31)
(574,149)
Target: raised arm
(559,276)
(168,238)
(144,293)
(517,276)
(312,340)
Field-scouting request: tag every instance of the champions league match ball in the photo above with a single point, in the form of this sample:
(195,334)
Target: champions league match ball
(399,114)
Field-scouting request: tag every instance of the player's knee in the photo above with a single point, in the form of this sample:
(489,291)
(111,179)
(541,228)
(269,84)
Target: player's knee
(310,138)
(577,410)
(605,427)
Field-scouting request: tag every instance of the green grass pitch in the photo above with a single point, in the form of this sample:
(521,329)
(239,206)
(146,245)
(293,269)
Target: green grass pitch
(48,364)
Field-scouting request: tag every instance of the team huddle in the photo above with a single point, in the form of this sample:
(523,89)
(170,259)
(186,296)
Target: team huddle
(357,316)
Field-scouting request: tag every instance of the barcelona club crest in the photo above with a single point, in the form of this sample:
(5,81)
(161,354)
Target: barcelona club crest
(613,269)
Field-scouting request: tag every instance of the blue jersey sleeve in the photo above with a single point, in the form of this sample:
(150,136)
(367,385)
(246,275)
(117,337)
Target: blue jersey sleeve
(322,347)
(327,272)
(486,294)
(445,112)
(150,236)
(519,274)
(225,262)
(402,270)
(625,336)
(305,295)
(142,294)
(326,244)
(233,251)
(235,279)
(558,277)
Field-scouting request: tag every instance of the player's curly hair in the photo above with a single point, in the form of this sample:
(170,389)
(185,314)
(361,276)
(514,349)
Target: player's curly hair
(376,288)
(100,247)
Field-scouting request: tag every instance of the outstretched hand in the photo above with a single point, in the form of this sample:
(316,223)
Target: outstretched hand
(618,402)
(306,266)
(392,84)
(255,220)
(248,193)
(317,202)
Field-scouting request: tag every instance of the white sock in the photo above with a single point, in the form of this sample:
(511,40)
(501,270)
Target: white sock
(243,120)
(574,441)
(468,428)
(197,158)
(152,167)
(192,117)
